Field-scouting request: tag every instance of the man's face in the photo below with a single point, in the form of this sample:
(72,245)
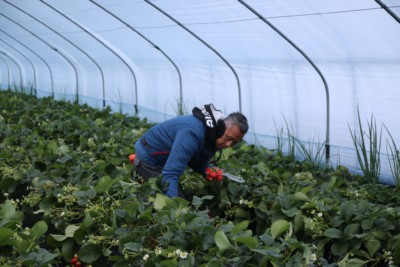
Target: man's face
(231,137)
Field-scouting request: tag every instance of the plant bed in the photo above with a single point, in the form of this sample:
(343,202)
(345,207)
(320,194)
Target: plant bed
(68,195)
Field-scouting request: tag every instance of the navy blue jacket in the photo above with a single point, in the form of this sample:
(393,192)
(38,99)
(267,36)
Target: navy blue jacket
(174,145)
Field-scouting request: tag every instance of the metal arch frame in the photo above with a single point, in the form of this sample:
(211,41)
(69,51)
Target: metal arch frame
(388,10)
(76,71)
(206,44)
(152,43)
(16,63)
(100,41)
(30,62)
(51,47)
(8,71)
(77,47)
(327,141)
(48,66)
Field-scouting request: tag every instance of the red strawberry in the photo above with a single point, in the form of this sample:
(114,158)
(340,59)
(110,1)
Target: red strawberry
(74,260)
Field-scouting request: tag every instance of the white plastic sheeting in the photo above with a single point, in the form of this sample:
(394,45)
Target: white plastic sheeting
(310,63)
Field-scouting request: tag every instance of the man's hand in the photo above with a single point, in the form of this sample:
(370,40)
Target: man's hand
(213,173)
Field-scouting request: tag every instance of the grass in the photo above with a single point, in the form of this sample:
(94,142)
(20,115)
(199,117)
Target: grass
(288,137)
(368,147)
(313,153)
(181,107)
(394,158)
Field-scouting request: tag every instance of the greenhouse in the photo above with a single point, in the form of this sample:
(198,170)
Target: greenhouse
(318,81)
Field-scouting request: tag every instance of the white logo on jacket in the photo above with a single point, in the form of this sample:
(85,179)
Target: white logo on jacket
(208,118)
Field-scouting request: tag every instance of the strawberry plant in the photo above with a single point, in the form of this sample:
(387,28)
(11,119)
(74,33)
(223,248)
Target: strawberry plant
(69,197)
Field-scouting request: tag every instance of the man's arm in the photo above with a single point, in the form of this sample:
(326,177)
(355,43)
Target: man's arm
(185,146)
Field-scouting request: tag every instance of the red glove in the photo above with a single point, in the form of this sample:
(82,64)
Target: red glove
(213,173)
(132,158)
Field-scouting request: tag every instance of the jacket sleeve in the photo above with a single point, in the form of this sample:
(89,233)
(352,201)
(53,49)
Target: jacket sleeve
(184,147)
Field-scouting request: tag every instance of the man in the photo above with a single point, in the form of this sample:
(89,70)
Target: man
(168,148)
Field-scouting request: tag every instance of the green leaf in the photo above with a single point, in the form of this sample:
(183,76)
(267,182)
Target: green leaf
(99,121)
(90,253)
(351,230)
(222,241)
(42,257)
(87,221)
(340,248)
(279,227)
(64,150)
(7,211)
(189,261)
(59,238)
(372,246)
(106,252)
(356,263)
(241,213)
(5,236)
(68,248)
(52,146)
(250,242)
(290,212)
(133,246)
(70,230)
(160,201)
(381,235)
(333,233)
(240,227)
(298,223)
(196,201)
(300,196)
(39,229)
(347,210)
(105,184)
(111,170)
(215,263)
(146,214)
(332,182)
(6,184)
(80,235)
(90,194)
(266,239)
(261,167)
(47,203)
(169,263)
(271,251)
(176,203)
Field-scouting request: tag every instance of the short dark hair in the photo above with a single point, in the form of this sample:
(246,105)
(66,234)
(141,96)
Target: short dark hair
(238,119)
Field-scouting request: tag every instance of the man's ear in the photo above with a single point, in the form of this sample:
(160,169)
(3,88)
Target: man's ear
(220,128)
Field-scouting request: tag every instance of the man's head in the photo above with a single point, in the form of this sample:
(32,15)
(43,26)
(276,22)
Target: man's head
(236,127)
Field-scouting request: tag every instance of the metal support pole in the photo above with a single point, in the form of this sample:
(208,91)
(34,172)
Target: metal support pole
(8,72)
(32,51)
(206,44)
(327,142)
(48,44)
(153,44)
(21,81)
(88,31)
(30,62)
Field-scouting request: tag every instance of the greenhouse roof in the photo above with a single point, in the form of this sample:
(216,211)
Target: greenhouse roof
(313,68)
